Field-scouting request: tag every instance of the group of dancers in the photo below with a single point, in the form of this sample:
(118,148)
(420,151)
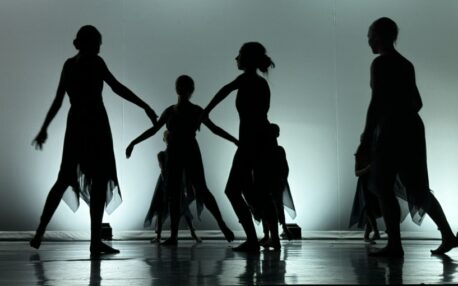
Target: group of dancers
(258,176)
(391,159)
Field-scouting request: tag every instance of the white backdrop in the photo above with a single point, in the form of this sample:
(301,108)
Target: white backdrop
(320,92)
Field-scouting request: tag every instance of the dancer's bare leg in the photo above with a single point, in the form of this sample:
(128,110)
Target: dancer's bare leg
(392,217)
(97,207)
(192,229)
(51,204)
(449,240)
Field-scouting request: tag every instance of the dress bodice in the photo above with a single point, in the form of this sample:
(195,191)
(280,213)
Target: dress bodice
(394,88)
(252,103)
(83,80)
(182,120)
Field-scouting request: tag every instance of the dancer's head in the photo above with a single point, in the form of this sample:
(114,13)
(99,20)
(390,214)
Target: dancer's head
(252,56)
(184,86)
(88,40)
(382,35)
(274,130)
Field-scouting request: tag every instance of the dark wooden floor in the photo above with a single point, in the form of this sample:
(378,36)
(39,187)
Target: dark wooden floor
(214,263)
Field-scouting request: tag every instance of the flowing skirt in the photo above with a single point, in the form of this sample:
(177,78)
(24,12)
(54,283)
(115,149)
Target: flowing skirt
(88,157)
(159,209)
(184,177)
(366,202)
(400,154)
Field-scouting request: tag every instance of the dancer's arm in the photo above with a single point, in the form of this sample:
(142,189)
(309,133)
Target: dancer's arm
(55,106)
(374,110)
(220,132)
(126,93)
(145,135)
(220,96)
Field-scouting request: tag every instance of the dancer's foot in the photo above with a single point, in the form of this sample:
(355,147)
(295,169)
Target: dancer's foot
(272,243)
(446,246)
(286,233)
(376,235)
(228,234)
(263,240)
(367,233)
(195,237)
(98,248)
(156,239)
(247,246)
(170,242)
(388,251)
(35,242)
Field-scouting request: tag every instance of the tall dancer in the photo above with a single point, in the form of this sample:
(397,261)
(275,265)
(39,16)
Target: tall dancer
(88,162)
(255,141)
(395,127)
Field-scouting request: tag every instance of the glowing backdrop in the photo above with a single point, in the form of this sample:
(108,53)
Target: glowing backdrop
(320,92)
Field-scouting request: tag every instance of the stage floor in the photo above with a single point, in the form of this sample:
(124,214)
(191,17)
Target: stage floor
(212,262)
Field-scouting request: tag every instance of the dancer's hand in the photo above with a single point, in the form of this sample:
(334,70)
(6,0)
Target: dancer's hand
(40,139)
(129,150)
(151,114)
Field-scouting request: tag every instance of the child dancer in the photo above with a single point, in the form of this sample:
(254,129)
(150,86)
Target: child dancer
(279,197)
(183,156)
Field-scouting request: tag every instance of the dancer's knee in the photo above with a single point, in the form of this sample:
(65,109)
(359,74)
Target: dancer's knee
(59,187)
(232,192)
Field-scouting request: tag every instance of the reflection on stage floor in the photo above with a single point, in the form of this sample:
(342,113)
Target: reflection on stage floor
(214,263)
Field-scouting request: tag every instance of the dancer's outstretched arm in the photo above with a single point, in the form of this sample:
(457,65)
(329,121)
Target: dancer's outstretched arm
(126,93)
(145,135)
(220,96)
(220,132)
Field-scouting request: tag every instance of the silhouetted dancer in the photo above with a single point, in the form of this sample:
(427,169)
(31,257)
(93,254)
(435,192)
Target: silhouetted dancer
(88,162)
(279,195)
(183,155)
(366,206)
(366,209)
(255,142)
(159,207)
(395,127)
